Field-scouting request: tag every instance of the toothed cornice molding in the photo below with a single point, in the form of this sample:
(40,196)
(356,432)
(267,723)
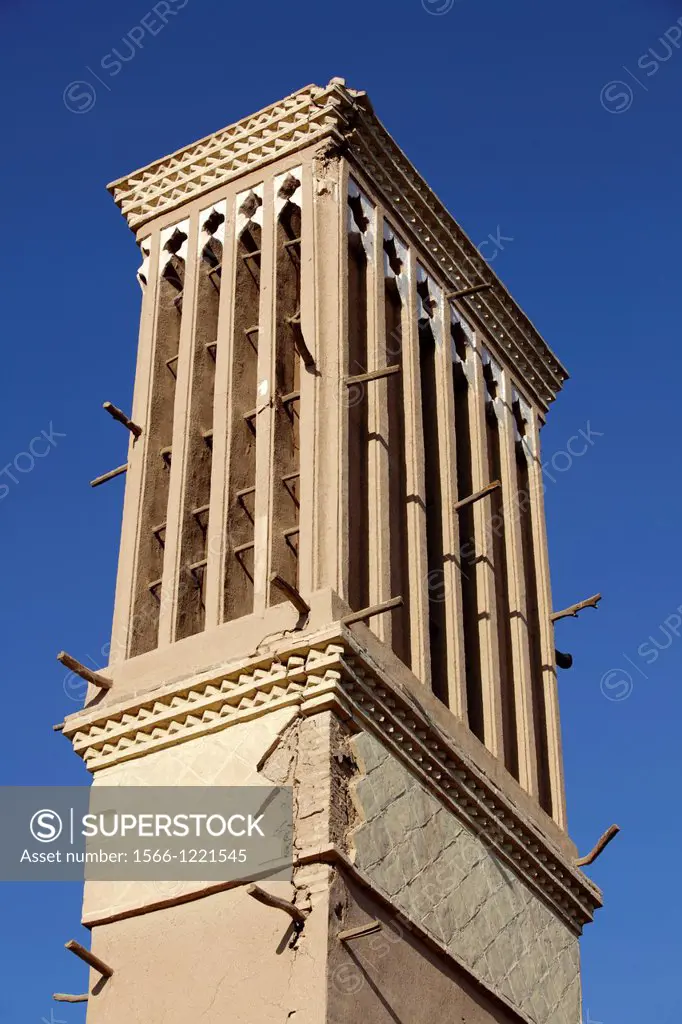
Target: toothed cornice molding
(334,111)
(284,127)
(338,674)
(140,726)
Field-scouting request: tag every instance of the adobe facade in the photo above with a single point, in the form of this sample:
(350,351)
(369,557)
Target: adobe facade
(327,370)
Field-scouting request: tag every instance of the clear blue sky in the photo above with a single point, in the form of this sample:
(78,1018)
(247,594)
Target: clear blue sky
(498,105)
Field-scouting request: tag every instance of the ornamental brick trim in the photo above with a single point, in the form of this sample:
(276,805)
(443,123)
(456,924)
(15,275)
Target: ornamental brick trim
(175,717)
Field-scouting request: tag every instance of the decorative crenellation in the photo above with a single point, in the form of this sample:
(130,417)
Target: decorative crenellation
(173,248)
(463,357)
(287,190)
(337,674)
(495,381)
(213,223)
(249,209)
(396,257)
(361,213)
(143,271)
(460,321)
(429,296)
(522,415)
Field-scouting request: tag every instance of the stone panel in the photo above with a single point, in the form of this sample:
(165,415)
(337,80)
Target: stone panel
(444,877)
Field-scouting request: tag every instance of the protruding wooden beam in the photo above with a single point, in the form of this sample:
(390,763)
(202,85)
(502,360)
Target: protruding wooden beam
(121,417)
(89,958)
(59,727)
(371,928)
(474,290)
(62,997)
(85,673)
(267,898)
(369,613)
(575,609)
(604,841)
(362,378)
(109,476)
(478,495)
(299,603)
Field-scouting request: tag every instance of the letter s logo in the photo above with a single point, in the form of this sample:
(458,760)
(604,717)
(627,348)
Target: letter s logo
(46,826)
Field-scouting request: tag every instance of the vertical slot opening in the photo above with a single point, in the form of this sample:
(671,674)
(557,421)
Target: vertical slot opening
(434,510)
(358,443)
(534,631)
(191,613)
(287,441)
(238,593)
(144,629)
(397,475)
(501,578)
(467,540)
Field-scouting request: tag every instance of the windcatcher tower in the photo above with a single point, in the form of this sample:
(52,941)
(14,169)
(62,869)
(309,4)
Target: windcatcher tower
(321,385)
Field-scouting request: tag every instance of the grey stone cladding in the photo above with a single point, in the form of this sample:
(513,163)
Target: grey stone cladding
(444,878)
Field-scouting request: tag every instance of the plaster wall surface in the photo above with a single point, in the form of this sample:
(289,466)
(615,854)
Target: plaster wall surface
(227,758)
(222,958)
(444,878)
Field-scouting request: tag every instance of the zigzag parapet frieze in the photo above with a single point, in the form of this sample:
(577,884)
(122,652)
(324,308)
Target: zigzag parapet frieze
(213,161)
(205,707)
(250,128)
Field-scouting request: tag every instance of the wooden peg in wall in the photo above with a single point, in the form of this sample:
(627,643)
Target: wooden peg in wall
(269,900)
(89,958)
(286,588)
(474,290)
(484,492)
(108,476)
(369,613)
(121,417)
(364,378)
(575,609)
(94,678)
(370,928)
(601,845)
